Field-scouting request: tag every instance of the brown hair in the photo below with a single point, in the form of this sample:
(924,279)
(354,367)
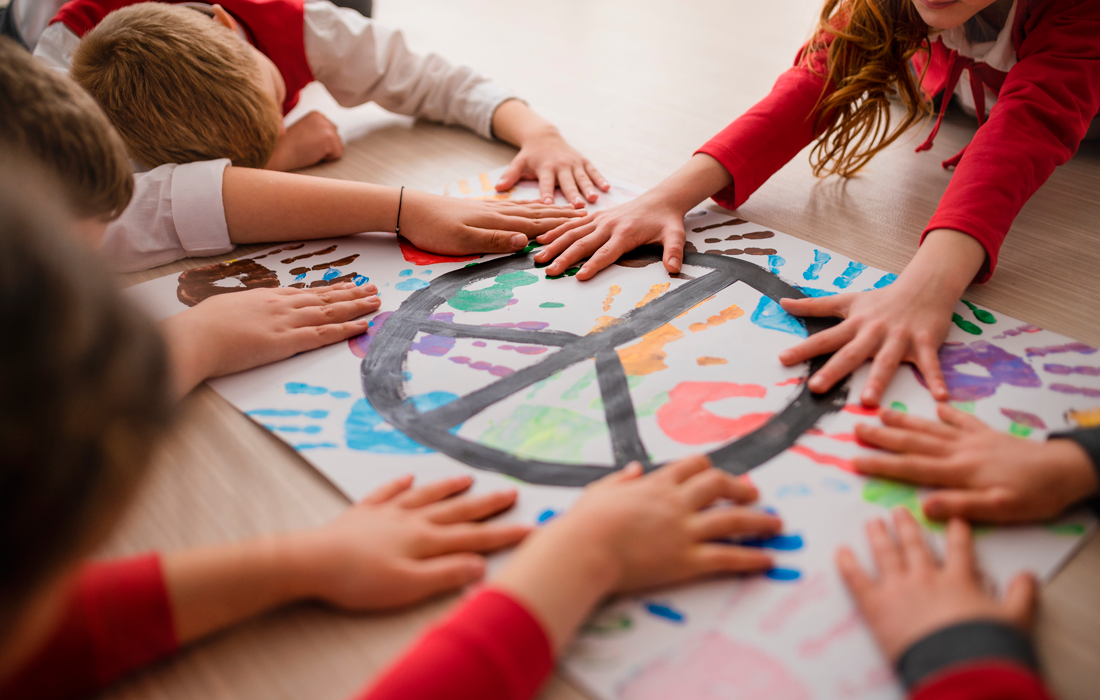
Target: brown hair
(51,118)
(868,61)
(84,392)
(178,86)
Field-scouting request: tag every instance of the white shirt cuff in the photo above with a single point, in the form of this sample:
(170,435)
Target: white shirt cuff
(492,96)
(198,211)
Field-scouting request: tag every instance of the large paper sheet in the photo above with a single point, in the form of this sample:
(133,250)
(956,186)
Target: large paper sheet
(491,368)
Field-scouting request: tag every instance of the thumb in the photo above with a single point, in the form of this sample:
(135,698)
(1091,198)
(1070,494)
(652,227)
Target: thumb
(674,251)
(483,240)
(510,176)
(429,577)
(1021,600)
(813,306)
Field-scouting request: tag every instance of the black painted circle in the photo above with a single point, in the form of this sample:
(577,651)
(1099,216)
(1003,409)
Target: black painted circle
(382,371)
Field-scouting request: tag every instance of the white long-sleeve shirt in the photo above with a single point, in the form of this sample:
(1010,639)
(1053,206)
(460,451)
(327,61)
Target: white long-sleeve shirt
(177,210)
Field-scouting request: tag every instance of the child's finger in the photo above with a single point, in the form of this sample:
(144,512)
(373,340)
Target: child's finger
(470,508)
(584,183)
(435,491)
(706,487)
(959,419)
(605,256)
(335,313)
(673,257)
(560,247)
(928,362)
(597,177)
(1021,600)
(719,523)
(568,186)
(915,469)
(818,344)
(682,469)
(547,178)
(903,441)
(388,490)
(844,361)
(588,240)
(527,225)
(990,505)
(510,176)
(885,551)
(958,556)
(483,240)
(479,537)
(855,578)
(429,577)
(918,557)
(883,368)
(550,238)
(816,306)
(319,296)
(900,419)
(308,338)
(714,558)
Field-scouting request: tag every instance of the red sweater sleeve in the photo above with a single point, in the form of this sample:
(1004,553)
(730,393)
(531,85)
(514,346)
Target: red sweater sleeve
(117,618)
(982,681)
(1043,110)
(491,648)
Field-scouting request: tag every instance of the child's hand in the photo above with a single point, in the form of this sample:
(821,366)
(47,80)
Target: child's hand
(544,156)
(553,162)
(981,474)
(914,596)
(628,532)
(607,235)
(453,226)
(904,322)
(234,332)
(400,545)
(892,325)
(311,140)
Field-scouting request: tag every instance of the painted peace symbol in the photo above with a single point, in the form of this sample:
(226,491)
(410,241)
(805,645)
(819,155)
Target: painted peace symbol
(382,372)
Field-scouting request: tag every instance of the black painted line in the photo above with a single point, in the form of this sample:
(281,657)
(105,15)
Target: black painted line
(508,335)
(618,408)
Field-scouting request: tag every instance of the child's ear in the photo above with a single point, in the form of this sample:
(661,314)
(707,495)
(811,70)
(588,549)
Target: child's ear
(225,19)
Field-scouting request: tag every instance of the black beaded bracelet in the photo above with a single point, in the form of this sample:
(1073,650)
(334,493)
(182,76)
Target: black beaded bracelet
(400,197)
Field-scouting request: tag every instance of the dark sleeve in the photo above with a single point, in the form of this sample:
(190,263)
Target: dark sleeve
(491,648)
(1089,441)
(117,618)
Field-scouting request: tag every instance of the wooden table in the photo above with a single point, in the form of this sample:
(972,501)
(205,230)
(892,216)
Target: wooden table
(636,85)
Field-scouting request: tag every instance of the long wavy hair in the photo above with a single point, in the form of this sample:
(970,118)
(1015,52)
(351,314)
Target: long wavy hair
(869,44)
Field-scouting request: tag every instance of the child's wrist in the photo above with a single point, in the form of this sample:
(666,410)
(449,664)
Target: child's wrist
(1079,477)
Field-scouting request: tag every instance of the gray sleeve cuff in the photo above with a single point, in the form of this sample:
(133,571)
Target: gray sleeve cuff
(1089,440)
(964,643)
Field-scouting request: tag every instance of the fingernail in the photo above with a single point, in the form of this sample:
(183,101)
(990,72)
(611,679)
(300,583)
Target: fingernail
(362,322)
(548,200)
(933,509)
(675,262)
(519,240)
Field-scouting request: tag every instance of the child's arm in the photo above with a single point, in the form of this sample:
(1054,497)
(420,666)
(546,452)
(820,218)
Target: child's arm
(980,473)
(395,547)
(202,209)
(938,624)
(627,532)
(360,61)
(230,333)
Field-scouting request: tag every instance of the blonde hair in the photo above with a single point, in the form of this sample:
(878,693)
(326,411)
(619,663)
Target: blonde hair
(51,119)
(871,44)
(178,86)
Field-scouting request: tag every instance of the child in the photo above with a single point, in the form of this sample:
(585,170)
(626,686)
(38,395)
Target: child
(1039,60)
(52,119)
(84,394)
(83,397)
(192,97)
(980,473)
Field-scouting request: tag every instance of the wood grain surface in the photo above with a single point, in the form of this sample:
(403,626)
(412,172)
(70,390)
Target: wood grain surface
(636,85)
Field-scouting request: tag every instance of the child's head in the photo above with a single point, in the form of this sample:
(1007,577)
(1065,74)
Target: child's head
(83,395)
(868,62)
(50,118)
(181,86)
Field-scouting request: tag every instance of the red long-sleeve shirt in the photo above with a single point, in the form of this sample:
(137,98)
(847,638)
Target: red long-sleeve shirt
(118,618)
(1045,104)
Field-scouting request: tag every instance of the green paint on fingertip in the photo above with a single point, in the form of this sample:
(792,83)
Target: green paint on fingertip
(899,406)
(981,314)
(551,305)
(966,325)
(568,273)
